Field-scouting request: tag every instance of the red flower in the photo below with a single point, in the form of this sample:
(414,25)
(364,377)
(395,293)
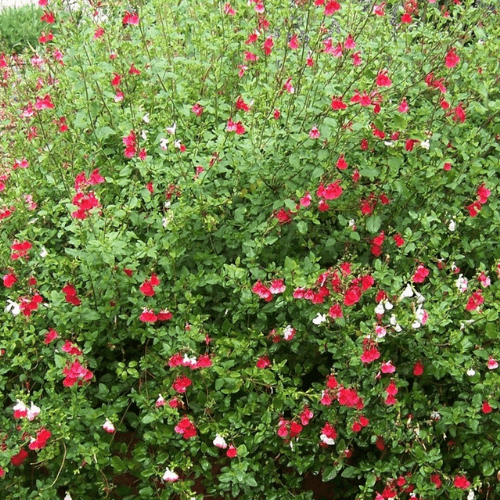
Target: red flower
(383,80)
(268,45)
(164,315)
(337,103)
(283,216)
(263,362)
(148,316)
(48,17)
(420,274)
(232,451)
(9,280)
(19,458)
(335,311)
(341,163)
(451,59)
(380,444)
(181,384)
(370,355)
(475,301)
(398,239)
(50,336)
(406,18)
(348,397)
(418,369)
(356,427)
(331,7)
(185,428)
(130,18)
(458,114)
(486,408)
(436,480)
(461,482)
(352,296)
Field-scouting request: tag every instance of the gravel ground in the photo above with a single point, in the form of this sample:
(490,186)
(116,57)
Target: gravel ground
(16,3)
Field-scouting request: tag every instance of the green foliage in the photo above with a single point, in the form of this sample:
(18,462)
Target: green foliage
(295,277)
(20,28)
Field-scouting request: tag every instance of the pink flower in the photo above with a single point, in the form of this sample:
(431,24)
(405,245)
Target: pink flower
(288,86)
(314,133)
(403,107)
(130,18)
(50,336)
(387,367)
(108,426)
(228,10)
(294,42)
(492,363)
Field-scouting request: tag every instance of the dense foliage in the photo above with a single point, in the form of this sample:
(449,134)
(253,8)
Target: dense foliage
(249,243)
(20,28)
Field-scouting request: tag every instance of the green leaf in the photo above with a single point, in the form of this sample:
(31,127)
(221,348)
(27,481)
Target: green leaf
(373,223)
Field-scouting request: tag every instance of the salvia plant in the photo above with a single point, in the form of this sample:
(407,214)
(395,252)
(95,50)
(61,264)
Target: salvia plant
(251,247)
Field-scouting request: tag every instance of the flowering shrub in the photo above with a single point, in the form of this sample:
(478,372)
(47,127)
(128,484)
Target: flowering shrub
(250,244)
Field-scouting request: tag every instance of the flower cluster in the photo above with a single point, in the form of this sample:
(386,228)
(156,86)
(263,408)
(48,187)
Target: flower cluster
(186,428)
(266,293)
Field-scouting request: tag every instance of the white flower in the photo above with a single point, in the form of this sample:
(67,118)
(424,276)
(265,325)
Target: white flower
(220,442)
(19,406)
(189,361)
(163,143)
(452,225)
(43,253)
(352,222)
(398,327)
(144,135)
(170,476)
(388,306)
(471,372)
(172,129)
(12,307)
(33,411)
(326,439)
(389,144)
(68,496)
(407,292)
(167,205)
(379,309)
(145,118)
(425,144)
(420,298)
(288,332)
(461,283)
(416,324)
(108,426)
(380,331)
(320,318)
(435,415)
(471,496)
(422,315)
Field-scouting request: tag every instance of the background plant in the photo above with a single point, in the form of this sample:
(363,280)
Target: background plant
(216,220)
(20,28)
